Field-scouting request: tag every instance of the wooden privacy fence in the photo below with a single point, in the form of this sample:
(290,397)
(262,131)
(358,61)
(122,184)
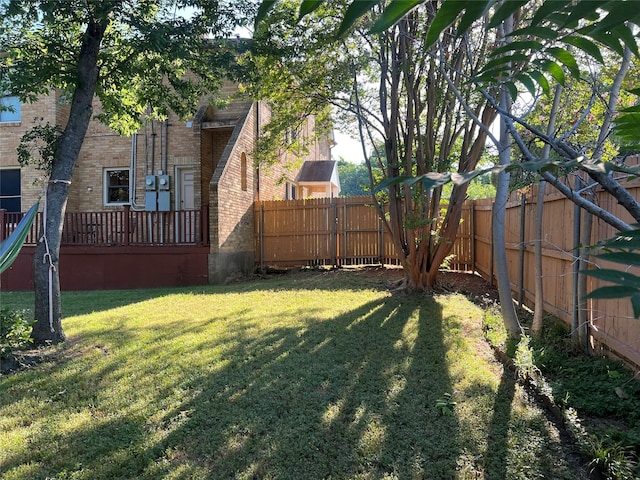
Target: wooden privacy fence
(347,231)
(611,321)
(334,232)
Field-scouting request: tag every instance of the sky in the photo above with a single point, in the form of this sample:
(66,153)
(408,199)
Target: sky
(347,148)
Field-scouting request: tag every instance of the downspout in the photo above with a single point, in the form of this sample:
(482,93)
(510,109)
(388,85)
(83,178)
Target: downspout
(166,147)
(153,148)
(133,169)
(257,116)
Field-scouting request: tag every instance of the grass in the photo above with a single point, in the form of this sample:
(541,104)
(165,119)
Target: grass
(318,375)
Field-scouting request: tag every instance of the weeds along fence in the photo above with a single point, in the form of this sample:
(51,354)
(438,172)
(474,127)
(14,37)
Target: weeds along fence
(348,231)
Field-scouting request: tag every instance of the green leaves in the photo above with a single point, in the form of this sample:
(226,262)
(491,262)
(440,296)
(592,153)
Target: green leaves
(621,249)
(394,12)
(627,127)
(355,10)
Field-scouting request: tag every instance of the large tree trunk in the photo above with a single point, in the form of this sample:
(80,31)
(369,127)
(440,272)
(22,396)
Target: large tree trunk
(48,312)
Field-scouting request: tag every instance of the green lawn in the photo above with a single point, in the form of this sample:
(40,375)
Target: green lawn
(311,376)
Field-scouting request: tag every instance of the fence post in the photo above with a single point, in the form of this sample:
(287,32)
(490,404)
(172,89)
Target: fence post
(332,220)
(472,234)
(381,244)
(523,203)
(575,320)
(127,225)
(493,207)
(343,252)
(261,236)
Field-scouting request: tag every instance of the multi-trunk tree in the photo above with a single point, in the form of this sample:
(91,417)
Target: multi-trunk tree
(539,52)
(134,57)
(403,94)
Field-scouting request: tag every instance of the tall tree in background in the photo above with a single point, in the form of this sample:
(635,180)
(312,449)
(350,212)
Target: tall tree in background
(542,46)
(421,121)
(135,57)
(404,96)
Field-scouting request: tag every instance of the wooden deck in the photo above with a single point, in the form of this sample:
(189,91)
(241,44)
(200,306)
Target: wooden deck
(124,227)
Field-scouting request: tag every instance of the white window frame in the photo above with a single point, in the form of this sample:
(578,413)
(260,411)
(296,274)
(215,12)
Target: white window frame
(8,116)
(105,186)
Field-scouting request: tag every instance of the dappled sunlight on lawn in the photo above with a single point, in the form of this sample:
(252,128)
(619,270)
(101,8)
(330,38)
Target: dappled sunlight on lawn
(260,382)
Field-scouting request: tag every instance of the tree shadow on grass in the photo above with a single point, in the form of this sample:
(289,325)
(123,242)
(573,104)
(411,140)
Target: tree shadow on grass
(498,446)
(352,396)
(346,397)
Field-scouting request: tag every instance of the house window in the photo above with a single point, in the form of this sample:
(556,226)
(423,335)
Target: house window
(10,191)
(290,193)
(9,109)
(243,172)
(116,186)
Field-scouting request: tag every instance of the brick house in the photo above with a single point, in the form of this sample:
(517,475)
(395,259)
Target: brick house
(202,164)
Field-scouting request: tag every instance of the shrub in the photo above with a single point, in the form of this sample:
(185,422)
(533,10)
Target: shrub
(14,331)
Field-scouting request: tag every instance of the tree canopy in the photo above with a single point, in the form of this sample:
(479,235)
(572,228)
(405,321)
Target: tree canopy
(139,58)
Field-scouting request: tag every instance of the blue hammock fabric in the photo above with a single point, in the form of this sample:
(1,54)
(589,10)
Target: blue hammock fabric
(10,247)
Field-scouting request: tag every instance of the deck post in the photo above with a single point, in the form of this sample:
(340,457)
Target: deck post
(2,224)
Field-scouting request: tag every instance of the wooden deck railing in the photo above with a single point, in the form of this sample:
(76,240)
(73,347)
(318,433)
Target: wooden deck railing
(122,227)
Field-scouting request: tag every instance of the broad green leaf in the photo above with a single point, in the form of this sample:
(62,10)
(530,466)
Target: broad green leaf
(505,10)
(517,45)
(627,243)
(635,304)
(628,38)
(568,60)
(387,182)
(263,10)
(619,237)
(627,126)
(394,12)
(615,276)
(605,38)
(619,13)
(308,6)
(445,16)
(582,9)
(433,180)
(513,90)
(537,32)
(553,68)
(463,177)
(585,45)
(475,10)
(355,10)
(494,76)
(541,80)
(504,61)
(626,258)
(547,8)
(612,292)
(557,19)
(528,83)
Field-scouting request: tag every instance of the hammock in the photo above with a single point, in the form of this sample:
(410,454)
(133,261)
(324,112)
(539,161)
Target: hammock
(10,247)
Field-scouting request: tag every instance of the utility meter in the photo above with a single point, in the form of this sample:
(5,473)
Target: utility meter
(150,182)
